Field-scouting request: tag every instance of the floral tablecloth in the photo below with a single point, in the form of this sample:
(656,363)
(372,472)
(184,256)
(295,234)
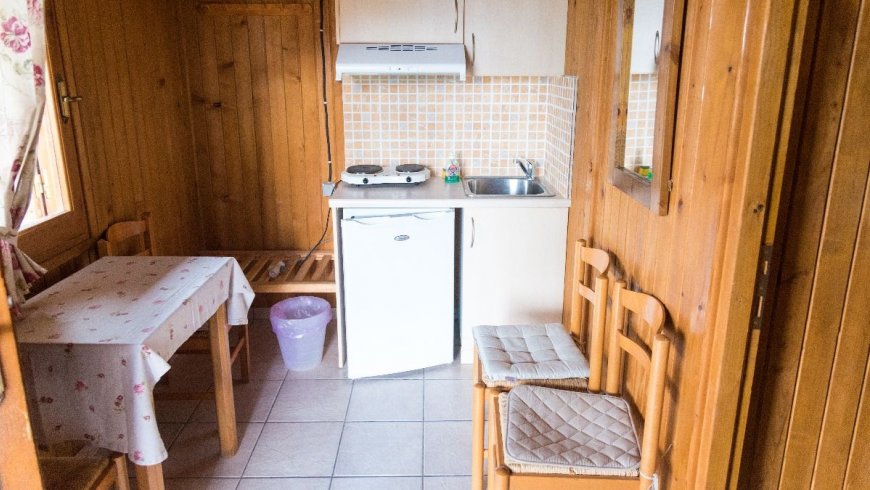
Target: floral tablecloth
(97,343)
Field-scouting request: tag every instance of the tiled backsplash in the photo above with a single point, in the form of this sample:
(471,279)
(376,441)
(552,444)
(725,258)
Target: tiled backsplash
(640,120)
(487,122)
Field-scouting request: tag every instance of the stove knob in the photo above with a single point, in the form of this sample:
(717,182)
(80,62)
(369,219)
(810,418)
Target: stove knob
(365,180)
(408,179)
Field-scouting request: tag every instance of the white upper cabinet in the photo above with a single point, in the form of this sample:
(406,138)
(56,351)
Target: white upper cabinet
(400,21)
(516,37)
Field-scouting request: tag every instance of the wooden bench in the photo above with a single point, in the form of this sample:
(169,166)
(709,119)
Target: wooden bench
(264,270)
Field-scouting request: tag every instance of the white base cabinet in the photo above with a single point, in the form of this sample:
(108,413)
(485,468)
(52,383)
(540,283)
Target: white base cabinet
(512,268)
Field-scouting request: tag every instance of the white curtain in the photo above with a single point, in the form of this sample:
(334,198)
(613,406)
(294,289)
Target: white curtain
(22,99)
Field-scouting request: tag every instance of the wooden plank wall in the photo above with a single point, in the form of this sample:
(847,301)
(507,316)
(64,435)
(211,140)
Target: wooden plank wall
(136,152)
(813,419)
(682,257)
(255,90)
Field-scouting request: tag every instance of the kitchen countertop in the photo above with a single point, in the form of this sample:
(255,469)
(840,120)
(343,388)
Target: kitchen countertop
(433,193)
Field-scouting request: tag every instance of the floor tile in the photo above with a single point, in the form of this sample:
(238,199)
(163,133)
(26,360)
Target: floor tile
(454,370)
(187,373)
(307,400)
(380,449)
(382,400)
(295,449)
(169,432)
(447,399)
(446,482)
(417,374)
(253,402)
(201,483)
(284,484)
(175,410)
(378,483)
(447,448)
(196,452)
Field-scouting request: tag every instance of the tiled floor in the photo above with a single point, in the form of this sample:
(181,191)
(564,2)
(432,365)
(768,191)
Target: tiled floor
(317,430)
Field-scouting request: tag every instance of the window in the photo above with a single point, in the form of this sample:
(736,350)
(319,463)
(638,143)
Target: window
(50,196)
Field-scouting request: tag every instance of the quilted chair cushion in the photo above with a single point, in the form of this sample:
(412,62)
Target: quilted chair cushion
(516,353)
(566,432)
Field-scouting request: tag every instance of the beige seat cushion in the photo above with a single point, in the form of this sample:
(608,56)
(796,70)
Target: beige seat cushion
(545,430)
(513,354)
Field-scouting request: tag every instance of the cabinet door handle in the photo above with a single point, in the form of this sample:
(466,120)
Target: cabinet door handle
(456,18)
(657,47)
(473,48)
(473,232)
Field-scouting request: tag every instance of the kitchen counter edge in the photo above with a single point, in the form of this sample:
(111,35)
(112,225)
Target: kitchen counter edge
(433,193)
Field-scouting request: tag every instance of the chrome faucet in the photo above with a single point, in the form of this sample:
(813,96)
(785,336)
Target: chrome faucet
(527,166)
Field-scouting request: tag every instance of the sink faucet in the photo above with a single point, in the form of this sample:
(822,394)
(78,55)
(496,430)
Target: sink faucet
(527,166)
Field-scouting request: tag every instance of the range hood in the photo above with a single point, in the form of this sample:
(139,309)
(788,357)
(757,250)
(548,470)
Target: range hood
(400,59)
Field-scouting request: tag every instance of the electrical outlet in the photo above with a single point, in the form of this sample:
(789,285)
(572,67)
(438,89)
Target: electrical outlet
(328,188)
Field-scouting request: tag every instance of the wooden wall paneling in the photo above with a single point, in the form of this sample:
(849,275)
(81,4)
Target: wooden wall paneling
(131,127)
(268,126)
(280,128)
(719,167)
(804,222)
(839,423)
(291,44)
(856,469)
(312,107)
(262,129)
(824,325)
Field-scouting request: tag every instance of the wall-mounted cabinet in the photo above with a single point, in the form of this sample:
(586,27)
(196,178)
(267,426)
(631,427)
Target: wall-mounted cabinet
(400,21)
(516,37)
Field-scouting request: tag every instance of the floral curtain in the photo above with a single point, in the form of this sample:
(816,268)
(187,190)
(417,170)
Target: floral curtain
(22,99)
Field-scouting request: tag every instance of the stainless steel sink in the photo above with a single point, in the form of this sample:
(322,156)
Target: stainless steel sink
(504,187)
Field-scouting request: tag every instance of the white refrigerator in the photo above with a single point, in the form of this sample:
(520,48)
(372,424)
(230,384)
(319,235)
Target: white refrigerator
(398,289)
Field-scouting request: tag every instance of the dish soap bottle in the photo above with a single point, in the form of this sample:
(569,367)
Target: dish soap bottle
(452,171)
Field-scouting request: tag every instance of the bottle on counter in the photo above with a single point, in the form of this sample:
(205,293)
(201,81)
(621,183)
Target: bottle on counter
(452,172)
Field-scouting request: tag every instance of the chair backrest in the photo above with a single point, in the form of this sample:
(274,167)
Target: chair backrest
(127,238)
(599,261)
(651,311)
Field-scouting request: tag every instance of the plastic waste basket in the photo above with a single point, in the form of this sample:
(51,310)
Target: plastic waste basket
(300,325)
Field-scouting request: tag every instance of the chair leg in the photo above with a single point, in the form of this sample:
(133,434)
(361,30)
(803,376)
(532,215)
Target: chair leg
(245,361)
(477,434)
(492,398)
(477,426)
(502,478)
(123,479)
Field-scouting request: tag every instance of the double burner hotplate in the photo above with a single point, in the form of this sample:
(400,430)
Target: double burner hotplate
(375,174)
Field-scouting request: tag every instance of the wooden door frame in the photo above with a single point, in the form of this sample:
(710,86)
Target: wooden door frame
(761,134)
(19,467)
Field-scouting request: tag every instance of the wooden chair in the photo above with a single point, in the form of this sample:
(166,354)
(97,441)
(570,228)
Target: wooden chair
(133,238)
(64,468)
(499,346)
(534,447)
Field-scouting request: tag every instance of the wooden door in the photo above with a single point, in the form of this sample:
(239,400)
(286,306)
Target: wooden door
(516,37)
(811,413)
(255,78)
(400,21)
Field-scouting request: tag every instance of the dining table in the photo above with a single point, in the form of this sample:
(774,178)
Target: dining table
(96,343)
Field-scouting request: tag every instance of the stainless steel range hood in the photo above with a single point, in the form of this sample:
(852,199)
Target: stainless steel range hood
(400,59)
